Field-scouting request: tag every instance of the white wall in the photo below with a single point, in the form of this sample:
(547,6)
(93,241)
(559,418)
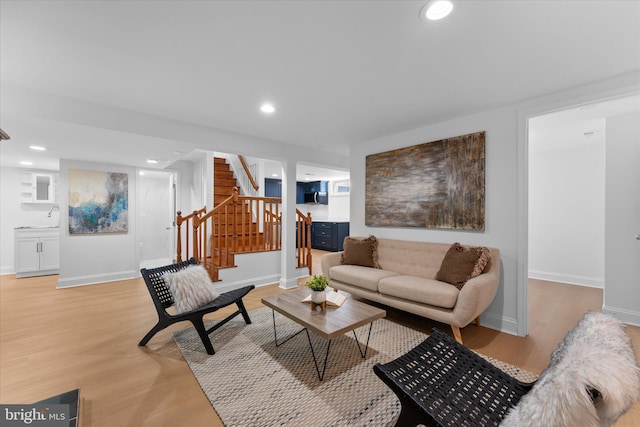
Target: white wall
(566,215)
(97,258)
(506,216)
(339,207)
(188,187)
(622,258)
(15,214)
(500,198)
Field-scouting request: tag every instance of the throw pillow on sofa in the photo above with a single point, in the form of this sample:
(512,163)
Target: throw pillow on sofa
(361,251)
(462,263)
(190,287)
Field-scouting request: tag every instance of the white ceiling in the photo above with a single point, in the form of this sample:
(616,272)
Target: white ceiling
(579,126)
(338,72)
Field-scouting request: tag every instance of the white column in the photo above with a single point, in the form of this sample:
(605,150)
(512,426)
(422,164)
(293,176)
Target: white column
(288,279)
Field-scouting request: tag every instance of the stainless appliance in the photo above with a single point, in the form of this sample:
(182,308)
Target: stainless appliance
(317,198)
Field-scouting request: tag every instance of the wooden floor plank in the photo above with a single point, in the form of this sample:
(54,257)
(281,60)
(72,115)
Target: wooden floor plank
(55,340)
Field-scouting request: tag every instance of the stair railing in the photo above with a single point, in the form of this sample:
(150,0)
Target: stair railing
(187,221)
(249,173)
(245,224)
(303,240)
(238,224)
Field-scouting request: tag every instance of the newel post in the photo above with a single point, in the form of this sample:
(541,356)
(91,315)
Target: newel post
(308,221)
(179,242)
(196,241)
(235,193)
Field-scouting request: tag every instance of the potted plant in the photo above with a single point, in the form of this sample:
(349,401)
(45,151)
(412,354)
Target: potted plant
(317,284)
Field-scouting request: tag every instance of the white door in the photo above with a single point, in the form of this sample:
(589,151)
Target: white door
(622,214)
(157,217)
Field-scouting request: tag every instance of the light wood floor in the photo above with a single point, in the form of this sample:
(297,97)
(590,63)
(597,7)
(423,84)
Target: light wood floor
(53,340)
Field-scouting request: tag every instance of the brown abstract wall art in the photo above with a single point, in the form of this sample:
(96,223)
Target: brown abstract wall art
(438,184)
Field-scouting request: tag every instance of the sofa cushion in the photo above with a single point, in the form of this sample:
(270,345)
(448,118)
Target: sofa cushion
(361,251)
(462,263)
(418,289)
(356,275)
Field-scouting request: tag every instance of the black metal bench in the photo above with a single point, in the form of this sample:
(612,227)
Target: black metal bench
(162,299)
(442,383)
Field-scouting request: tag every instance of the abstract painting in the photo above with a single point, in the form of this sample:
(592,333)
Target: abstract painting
(98,202)
(438,184)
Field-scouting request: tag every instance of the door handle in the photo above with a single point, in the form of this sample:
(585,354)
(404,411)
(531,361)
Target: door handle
(637,236)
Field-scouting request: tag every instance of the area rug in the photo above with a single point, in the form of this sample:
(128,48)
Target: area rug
(251,382)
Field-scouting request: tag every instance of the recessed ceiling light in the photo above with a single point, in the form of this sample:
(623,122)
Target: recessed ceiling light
(274,174)
(141,173)
(267,108)
(152,161)
(25,163)
(37,148)
(436,9)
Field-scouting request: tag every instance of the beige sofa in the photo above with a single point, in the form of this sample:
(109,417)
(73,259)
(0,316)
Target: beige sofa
(406,281)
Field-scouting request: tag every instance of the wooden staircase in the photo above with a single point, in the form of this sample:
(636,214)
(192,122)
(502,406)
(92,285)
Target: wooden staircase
(223,180)
(223,235)
(237,224)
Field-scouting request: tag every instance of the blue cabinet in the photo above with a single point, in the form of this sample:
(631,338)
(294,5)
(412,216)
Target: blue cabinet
(300,190)
(310,187)
(272,187)
(328,235)
(313,186)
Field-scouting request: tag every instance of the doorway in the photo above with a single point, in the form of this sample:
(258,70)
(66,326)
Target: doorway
(156,220)
(570,229)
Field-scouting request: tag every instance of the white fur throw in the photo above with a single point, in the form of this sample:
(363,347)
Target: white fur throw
(596,355)
(191,288)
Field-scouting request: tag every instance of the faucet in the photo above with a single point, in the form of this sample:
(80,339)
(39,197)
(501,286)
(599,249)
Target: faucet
(51,210)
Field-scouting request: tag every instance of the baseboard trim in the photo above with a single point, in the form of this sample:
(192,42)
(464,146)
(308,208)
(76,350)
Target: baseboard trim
(288,283)
(626,316)
(95,279)
(499,323)
(7,270)
(256,281)
(590,282)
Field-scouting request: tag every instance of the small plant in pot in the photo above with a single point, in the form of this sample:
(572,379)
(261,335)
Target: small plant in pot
(317,284)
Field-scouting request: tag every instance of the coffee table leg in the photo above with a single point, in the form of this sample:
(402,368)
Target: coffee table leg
(275,331)
(315,360)
(363,354)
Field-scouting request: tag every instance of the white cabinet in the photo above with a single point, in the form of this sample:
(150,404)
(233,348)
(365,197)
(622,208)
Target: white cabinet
(36,251)
(40,187)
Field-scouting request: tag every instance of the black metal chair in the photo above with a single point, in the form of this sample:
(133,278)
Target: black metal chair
(162,299)
(442,383)
(593,378)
